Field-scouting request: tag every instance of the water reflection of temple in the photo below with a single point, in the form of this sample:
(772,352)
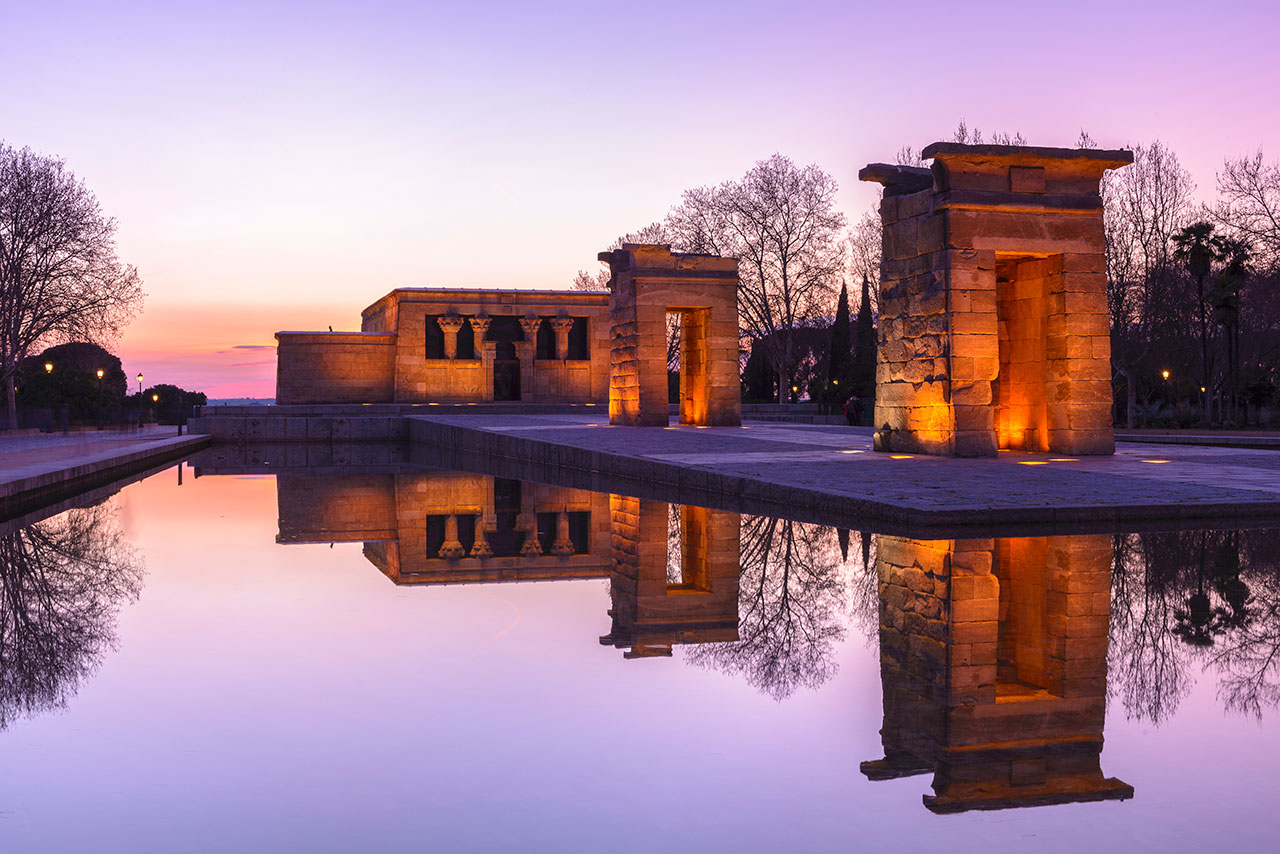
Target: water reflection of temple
(993,657)
(669,583)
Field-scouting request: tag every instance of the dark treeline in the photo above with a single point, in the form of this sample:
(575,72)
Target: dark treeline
(1193,287)
(1192,291)
(1206,598)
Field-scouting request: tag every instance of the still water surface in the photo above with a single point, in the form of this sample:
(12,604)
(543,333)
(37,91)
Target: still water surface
(312,663)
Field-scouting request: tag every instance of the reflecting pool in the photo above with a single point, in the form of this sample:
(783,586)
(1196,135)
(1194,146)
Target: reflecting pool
(396,658)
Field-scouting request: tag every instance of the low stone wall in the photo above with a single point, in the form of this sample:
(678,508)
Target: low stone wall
(335,367)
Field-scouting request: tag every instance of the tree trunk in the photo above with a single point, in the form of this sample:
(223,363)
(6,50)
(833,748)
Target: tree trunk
(1204,353)
(11,392)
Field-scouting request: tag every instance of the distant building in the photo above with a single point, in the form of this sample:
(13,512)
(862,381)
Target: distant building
(419,345)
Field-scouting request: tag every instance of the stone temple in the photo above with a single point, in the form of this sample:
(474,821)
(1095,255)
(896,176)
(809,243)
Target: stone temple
(993,330)
(472,346)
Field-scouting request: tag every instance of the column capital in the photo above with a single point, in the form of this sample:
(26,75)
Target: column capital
(480,325)
(530,326)
(450,322)
(562,324)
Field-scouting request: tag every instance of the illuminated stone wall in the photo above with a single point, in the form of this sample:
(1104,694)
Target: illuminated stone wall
(993,329)
(651,611)
(650,281)
(334,367)
(451,527)
(390,360)
(993,662)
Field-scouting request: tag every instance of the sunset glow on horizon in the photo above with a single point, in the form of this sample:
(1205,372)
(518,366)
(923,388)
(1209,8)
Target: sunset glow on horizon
(281,166)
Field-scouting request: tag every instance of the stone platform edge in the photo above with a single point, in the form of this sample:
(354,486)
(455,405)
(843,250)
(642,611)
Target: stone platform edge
(57,481)
(450,445)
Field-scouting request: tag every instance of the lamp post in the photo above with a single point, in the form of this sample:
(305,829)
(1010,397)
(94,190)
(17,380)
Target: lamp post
(48,367)
(100,414)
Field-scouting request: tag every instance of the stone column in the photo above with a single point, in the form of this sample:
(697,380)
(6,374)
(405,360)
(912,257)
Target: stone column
(527,350)
(451,548)
(481,548)
(450,324)
(563,545)
(480,326)
(562,325)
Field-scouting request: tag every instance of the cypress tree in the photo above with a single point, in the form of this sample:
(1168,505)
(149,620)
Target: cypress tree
(864,348)
(840,357)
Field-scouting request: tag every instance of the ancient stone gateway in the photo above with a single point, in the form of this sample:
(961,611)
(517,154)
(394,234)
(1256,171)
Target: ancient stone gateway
(993,326)
(650,282)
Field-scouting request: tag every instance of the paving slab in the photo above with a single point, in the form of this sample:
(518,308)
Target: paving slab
(833,469)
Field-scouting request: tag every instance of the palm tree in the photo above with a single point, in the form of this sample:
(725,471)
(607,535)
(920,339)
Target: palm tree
(1199,247)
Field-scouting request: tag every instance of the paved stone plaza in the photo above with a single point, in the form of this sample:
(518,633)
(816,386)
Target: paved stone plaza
(812,466)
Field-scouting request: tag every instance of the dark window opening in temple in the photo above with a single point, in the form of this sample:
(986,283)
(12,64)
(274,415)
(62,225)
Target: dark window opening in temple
(580,531)
(435,338)
(505,540)
(466,532)
(578,349)
(545,347)
(547,530)
(466,341)
(435,534)
(504,330)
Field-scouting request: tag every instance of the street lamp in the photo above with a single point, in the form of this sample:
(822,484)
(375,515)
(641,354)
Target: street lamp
(139,383)
(48,367)
(1164,374)
(100,372)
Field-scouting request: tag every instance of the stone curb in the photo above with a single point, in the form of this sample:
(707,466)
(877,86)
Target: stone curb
(1254,442)
(55,479)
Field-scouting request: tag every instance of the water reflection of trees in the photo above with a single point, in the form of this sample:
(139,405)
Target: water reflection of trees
(61,582)
(1206,598)
(792,607)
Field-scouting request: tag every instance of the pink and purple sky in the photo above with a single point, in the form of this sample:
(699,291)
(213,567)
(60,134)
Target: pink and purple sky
(280,166)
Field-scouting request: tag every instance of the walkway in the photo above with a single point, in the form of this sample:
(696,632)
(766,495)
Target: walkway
(41,468)
(831,471)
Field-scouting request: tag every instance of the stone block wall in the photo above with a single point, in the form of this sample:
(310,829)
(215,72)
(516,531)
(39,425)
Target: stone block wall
(389,513)
(334,367)
(650,612)
(454,379)
(993,327)
(650,281)
(993,663)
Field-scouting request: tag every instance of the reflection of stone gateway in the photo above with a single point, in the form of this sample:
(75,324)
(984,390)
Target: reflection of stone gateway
(993,313)
(994,662)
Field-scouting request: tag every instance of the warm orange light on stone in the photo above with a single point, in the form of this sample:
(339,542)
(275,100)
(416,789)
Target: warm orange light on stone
(993,326)
(388,360)
(993,659)
(650,282)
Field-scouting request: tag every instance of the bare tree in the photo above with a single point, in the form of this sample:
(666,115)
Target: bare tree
(1249,205)
(781,223)
(585,281)
(973,136)
(60,279)
(792,606)
(864,242)
(62,581)
(1144,206)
